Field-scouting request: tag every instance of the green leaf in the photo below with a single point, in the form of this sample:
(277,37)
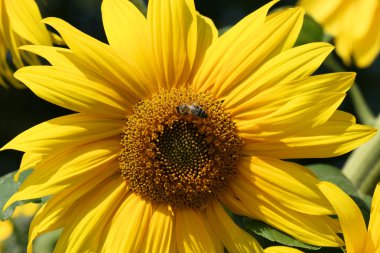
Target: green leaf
(367,199)
(311,31)
(10,187)
(334,175)
(270,233)
(140,4)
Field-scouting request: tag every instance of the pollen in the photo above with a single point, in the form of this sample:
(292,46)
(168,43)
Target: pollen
(179,157)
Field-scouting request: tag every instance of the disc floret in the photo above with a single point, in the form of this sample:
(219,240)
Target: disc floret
(182,159)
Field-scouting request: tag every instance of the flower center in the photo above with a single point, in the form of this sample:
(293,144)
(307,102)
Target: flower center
(180,148)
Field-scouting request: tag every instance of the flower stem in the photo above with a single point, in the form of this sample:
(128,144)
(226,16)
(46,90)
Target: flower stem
(363,165)
(371,180)
(364,112)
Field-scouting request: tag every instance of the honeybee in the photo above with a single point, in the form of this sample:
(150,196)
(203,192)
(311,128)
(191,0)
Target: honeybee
(192,109)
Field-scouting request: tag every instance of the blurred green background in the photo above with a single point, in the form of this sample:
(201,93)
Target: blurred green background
(21,109)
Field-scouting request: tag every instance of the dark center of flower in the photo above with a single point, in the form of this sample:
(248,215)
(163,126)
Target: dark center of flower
(179,148)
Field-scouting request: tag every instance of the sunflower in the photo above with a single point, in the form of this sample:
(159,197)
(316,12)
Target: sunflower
(354,24)
(352,220)
(20,25)
(174,125)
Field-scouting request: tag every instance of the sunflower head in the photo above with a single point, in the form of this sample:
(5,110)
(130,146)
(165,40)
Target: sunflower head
(172,153)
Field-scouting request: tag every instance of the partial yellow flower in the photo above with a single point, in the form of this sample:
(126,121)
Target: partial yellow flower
(174,124)
(6,227)
(21,24)
(356,236)
(6,230)
(355,24)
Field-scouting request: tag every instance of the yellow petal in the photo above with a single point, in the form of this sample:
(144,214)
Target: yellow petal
(68,62)
(334,138)
(350,34)
(368,46)
(88,221)
(29,161)
(127,32)
(74,91)
(101,58)
(374,221)
(344,40)
(233,38)
(173,35)
(288,183)
(54,214)
(71,130)
(295,116)
(193,234)
(276,35)
(64,168)
(271,98)
(56,56)
(207,34)
(230,199)
(292,36)
(349,216)
(343,117)
(25,19)
(312,229)
(129,225)
(6,230)
(10,42)
(323,11)
(126,28)
(46,221)
(233,237)
(333,15)
(160,234)
(27,210)
(281,249)
(364,10)
(295,63)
